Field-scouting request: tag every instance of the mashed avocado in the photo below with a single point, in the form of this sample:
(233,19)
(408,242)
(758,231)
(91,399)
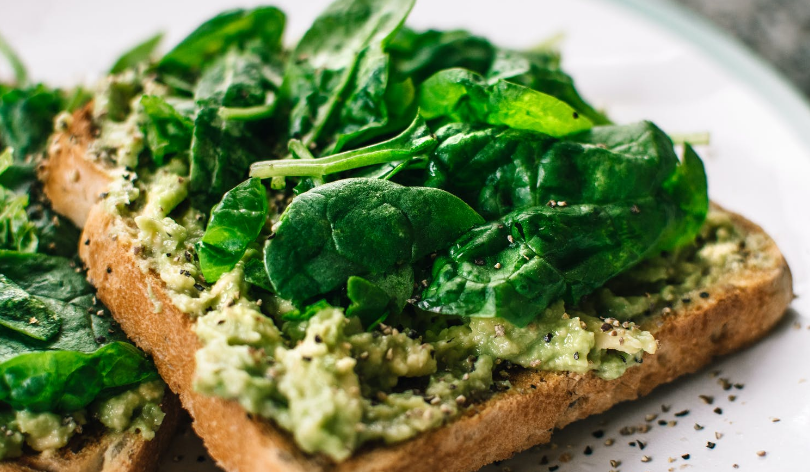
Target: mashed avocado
(335,387)
(137,410)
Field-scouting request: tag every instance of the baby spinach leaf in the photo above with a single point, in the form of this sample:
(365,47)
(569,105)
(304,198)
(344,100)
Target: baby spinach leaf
(25,314)
(26,118)
(464,96)
(540,70)
(67,381)
(221,153)
(515,267)
(235,222)
(376,296)
(415,140)
(256,275)
(623,196)
(167,131)
(359,227)
(140,53)
(235,79)
(65,370)
(420,55)
(338,72)
(264,25)
(497,170)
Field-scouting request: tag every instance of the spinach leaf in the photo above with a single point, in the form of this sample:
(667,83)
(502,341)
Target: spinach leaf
(414,141)
(263,25)
(167,131)
(376,296)
(464,96)
(515,267)
(222,149)
(64,371)
(623,196)
(419,55)
(359,227)
(497,170)
(256,275)
(26,118)
(338,73)
(25,314)
(540,70)
(140,53)
(235,222)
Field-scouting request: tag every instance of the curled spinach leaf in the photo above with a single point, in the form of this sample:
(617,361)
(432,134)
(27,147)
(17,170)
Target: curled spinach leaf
(263,25)
(338,73)
(359,227)
(235,222)
(465,96)
(376,296)
(26,118)
(419,55)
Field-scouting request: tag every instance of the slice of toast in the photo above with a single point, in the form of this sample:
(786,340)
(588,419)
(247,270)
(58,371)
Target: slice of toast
(96,450)
(740,309)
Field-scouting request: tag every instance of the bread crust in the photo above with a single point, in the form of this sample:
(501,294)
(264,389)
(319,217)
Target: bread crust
(738,311)
(100,451)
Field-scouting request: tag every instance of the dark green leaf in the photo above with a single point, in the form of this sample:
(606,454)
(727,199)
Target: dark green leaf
(359,227)
(375,296)
(20,72)
(68,370)
(264,25)
(167,131)
(234,79)
(464,96)
(688,187)
(67,381)
(515,267)
(26,119)
(137,55)
(420,55)
(256,275)
(338,73)
(497,170)
(25,313)
(308,312)
(221,153)
(16,231)
(235,223)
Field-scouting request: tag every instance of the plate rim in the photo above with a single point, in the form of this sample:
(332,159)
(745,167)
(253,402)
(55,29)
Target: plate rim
(761,77)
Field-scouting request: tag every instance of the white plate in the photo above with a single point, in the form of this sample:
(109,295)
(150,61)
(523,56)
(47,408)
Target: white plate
(638,59)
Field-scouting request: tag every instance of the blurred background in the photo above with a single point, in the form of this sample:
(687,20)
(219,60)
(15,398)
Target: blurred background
(779,30)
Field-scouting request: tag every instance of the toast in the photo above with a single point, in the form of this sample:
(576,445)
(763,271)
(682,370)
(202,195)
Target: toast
(96,450)
(739,309)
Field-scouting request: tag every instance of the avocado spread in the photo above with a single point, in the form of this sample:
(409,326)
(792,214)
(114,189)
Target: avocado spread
(137,410)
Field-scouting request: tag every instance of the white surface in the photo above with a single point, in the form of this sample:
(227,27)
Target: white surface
(757,165)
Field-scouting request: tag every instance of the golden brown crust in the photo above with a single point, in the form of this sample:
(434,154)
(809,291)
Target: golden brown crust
(73,184)
(104,452)
(737,312)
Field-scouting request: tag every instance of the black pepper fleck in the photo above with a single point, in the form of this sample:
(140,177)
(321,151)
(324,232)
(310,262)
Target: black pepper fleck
(681,414)
(553,468)
(704,294)
(718,410)
(86,242)
(598,433)
(686,457)
(710,444)
(588,451)
(547,337)
(109,270)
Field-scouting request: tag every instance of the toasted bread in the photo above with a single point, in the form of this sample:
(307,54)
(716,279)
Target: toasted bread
(96,450)
(740,309)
